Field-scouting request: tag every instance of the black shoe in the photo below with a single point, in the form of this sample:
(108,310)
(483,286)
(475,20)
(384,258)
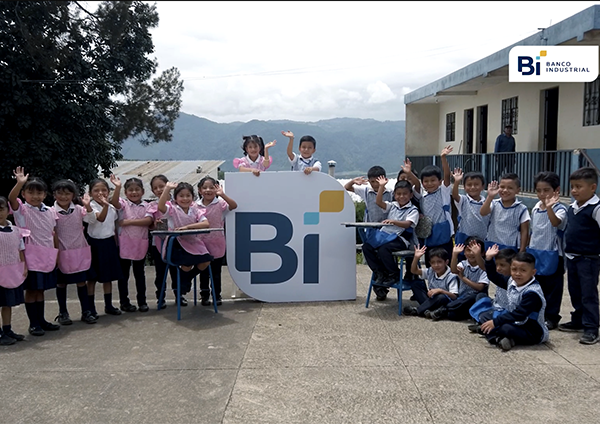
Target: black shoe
(63,319)
(219,301)
(205,302)
(589,338)
(410,310)
(506,344)
(474,328)
(427,314)
(183,301)
(36,331)
(95,315)
(111,310)
(48,326)
(128,308)
(551,325)
(378,277)
(570,327)
(439,313)
(143,308)
(17,337)
(162,305)
(6,340)
(390,279)
(88,318)
(381,297)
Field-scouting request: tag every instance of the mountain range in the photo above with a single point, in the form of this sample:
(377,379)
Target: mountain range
(354,144)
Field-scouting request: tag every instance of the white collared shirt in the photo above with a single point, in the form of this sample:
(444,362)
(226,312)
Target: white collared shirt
(512,283)
(101,230)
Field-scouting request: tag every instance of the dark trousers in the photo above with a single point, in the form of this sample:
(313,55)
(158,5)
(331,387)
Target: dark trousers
(582,278)
(530,333)
(140,281)
(215,267)
(419,290)
(458,309)
(161,267)
(448,247)
(553,286)
(381,260)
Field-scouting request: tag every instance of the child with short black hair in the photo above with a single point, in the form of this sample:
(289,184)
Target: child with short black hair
(443,284)
(582,249)
(509,218)
(306,162)
(367,189)
(435,198)
(403,216)
(470,222)
(548,221)
(523,322)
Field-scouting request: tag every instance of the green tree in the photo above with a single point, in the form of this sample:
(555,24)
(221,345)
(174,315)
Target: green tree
(75,84)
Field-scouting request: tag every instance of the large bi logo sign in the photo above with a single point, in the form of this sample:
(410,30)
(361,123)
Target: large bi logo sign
(553,64)
(285,241)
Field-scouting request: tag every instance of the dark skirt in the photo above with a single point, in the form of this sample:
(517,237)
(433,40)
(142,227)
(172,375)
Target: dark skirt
(180,256)
(37,280)
(12,297)
(78,277)
(106,264)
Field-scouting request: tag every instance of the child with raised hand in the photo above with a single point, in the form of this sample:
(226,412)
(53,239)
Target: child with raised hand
(509,218)
(13,271)
(523,322)
(216,204)
(189,251)
(442,283)
(306,162)
(74,252)
(472,279)
(470,222)
(158,184)
(548,221)
(404,216)
(134,220)
(406,173)
(41,251)
(368,189)
(435,198)
(256,155)
(101,236)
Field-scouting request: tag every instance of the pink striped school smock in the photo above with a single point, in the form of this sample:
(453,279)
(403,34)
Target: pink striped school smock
(177,218)
(74,253)
(215,213)
(133,239)
(11,267)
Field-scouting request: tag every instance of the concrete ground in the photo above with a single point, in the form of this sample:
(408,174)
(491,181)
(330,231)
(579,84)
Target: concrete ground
(330,362)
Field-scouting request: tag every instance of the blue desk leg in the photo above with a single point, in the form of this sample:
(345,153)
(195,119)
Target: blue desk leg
(178,294)
(212,289)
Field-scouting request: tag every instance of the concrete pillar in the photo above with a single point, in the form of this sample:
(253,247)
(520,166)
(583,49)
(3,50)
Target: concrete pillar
(331,164)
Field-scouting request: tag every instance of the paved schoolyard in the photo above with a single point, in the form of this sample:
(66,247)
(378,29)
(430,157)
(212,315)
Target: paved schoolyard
(330,362)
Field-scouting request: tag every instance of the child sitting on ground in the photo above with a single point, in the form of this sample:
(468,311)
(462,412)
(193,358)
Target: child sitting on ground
(443,284)
(523,322)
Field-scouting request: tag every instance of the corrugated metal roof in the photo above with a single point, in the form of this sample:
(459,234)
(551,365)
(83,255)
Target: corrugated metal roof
(178,171)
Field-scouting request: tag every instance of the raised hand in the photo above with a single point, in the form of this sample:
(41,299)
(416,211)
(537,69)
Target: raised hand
(459,248)
(446,150)
(287,134)
(382,180)
(115,180)
(271,144)
(458,175)
(85,199)
(407,167)
(475,248)
(493,188)
(20,175)
(550,201)
(170,185)
(491,252)
(359,181)
(419,251)
(219,190)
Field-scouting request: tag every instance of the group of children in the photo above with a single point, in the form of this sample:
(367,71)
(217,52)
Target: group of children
(100,237)
(497,240)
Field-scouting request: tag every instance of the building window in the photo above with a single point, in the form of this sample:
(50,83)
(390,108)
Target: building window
(450,126)
(510,113)
(591,100)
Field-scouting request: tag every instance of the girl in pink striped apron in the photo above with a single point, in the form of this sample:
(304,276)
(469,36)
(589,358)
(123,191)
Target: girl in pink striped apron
(101,236)
(189,251)
(256,155)
(134,220)
(215,204)
(41,251)
(74,253)
(13,271)
(157,184)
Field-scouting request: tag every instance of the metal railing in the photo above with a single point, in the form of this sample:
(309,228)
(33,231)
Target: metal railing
(525,164)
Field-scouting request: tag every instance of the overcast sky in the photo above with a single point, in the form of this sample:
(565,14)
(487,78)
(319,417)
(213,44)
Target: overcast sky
(307,61)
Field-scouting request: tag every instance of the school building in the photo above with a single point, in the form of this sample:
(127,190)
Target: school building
(556,125)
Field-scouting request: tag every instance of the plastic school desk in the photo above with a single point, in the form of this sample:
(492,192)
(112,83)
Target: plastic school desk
(171,236)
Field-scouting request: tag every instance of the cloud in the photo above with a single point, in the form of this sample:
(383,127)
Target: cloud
(379,93)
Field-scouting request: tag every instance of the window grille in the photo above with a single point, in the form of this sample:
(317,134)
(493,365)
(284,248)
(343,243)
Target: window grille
(510,113)
(450,126)
(591,100)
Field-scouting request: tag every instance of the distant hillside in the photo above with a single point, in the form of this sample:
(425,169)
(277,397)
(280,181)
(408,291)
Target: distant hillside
(355,144)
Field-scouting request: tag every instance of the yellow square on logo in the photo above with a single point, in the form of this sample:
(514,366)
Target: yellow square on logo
(543,53)
(331,201)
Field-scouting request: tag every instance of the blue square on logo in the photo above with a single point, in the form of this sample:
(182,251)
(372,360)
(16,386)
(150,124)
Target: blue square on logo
(537,58)
(311,218)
